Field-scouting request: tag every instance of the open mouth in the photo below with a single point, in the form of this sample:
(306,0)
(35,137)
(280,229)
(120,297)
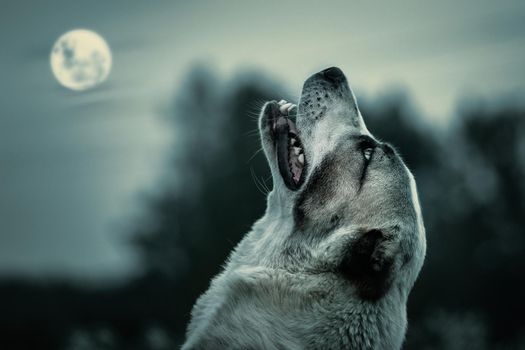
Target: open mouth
(287,143)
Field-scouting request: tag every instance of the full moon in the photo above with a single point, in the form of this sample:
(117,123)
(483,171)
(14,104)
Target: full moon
(80,59)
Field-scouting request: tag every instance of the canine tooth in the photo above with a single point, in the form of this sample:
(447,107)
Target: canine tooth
(292,106)
(282,102)
(301,158)
(296,150)
(293,141)
(284,108)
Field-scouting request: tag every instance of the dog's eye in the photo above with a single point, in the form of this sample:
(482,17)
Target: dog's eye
(367,146)
(367,153)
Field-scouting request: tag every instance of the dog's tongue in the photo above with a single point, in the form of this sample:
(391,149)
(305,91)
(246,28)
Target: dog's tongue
(283,127)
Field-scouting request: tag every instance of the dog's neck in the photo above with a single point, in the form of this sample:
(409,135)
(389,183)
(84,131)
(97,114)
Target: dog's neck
(315,309)
(310,310)
(349,320)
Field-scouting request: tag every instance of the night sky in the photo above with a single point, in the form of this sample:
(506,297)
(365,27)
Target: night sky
(73,165)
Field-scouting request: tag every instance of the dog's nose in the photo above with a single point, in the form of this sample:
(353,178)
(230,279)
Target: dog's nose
(333,74)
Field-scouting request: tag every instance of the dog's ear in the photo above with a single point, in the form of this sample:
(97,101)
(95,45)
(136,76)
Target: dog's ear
(367,265)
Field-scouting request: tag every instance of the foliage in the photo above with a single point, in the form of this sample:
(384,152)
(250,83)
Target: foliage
(469,294)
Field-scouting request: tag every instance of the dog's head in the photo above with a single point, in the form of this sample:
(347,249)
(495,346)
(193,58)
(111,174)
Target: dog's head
(346,202)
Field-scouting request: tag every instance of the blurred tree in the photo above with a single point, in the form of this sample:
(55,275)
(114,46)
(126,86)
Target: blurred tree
(469,182)
(475,228)
(213,198)
(469,294)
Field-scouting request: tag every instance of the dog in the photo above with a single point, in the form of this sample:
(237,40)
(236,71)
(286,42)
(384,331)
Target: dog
(331,263)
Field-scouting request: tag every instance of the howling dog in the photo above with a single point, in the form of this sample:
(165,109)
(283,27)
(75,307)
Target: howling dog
(331,263)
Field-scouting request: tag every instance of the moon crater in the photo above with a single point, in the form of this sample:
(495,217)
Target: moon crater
(80,59)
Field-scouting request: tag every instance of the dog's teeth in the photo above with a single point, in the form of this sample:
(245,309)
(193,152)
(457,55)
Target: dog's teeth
(301,158)
(284,108)
(282,102)
(297,150)
(293,141)
(292,106)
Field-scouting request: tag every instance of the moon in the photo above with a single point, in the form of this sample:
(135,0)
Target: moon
(81,59)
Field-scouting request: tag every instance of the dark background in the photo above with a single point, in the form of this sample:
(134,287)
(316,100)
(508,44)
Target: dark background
(119,204)
(469,294)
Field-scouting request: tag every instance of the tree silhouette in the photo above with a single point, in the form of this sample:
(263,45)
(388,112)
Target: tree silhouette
(469,183)
(469,294)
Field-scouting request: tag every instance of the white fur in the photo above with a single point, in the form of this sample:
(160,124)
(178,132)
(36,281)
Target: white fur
(278,291)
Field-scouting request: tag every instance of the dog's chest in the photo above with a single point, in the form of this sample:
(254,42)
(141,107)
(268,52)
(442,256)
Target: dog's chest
(301,313)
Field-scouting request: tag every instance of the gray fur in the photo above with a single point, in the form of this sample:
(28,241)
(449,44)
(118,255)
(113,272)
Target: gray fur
(281,287)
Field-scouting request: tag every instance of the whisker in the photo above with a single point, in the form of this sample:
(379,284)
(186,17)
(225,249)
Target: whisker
(266,186)
(253,156)
(256,181)
(253,114)
(256,106)
(251,132)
